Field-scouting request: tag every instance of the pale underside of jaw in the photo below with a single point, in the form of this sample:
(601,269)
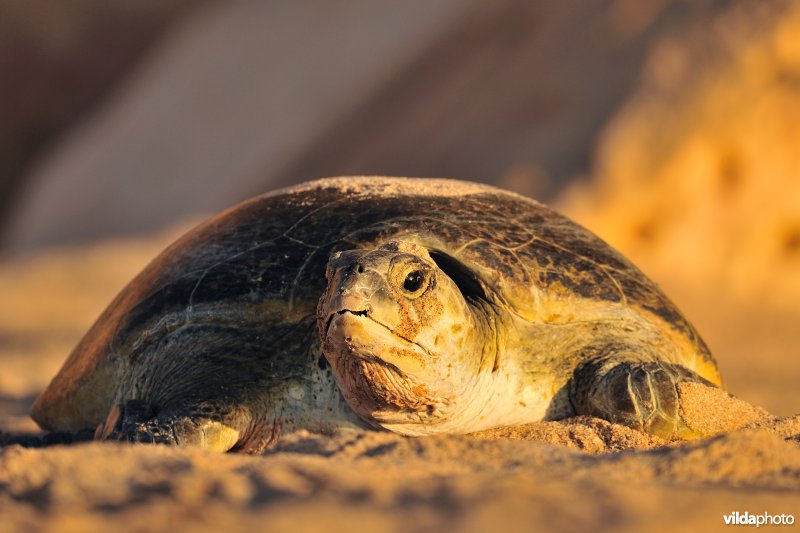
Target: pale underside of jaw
(379,373)
(368,352)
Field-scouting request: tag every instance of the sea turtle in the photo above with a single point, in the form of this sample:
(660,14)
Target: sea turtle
(419,306)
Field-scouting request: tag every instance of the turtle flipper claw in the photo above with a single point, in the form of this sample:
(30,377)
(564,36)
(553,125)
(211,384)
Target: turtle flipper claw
(639,394)
(133,421)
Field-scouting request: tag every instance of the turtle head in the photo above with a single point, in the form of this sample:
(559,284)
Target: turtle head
(400,337)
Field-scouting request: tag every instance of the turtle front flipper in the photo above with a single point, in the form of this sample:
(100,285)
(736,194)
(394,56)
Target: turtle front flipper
(638,394)
(205,426)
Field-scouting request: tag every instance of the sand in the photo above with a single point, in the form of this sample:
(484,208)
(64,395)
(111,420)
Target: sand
(379,481)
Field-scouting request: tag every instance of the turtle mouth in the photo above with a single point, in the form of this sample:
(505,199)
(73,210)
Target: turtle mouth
(356,334)
(362,312)
(365,313)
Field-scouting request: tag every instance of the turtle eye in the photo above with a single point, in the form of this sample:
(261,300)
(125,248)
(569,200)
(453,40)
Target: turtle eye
(414,281)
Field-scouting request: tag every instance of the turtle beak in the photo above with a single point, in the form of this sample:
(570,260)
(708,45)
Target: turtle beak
(353,310)
(350,288)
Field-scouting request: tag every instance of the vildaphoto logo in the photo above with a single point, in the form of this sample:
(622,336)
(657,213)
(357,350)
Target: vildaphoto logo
(764,519)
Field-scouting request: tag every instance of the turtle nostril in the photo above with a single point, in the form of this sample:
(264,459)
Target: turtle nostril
(360,268)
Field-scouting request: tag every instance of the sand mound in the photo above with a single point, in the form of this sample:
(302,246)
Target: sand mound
(697,176)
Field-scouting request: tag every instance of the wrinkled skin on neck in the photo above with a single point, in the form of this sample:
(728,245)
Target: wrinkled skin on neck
(405,347)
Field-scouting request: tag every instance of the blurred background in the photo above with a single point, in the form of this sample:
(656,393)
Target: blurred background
(669,127)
